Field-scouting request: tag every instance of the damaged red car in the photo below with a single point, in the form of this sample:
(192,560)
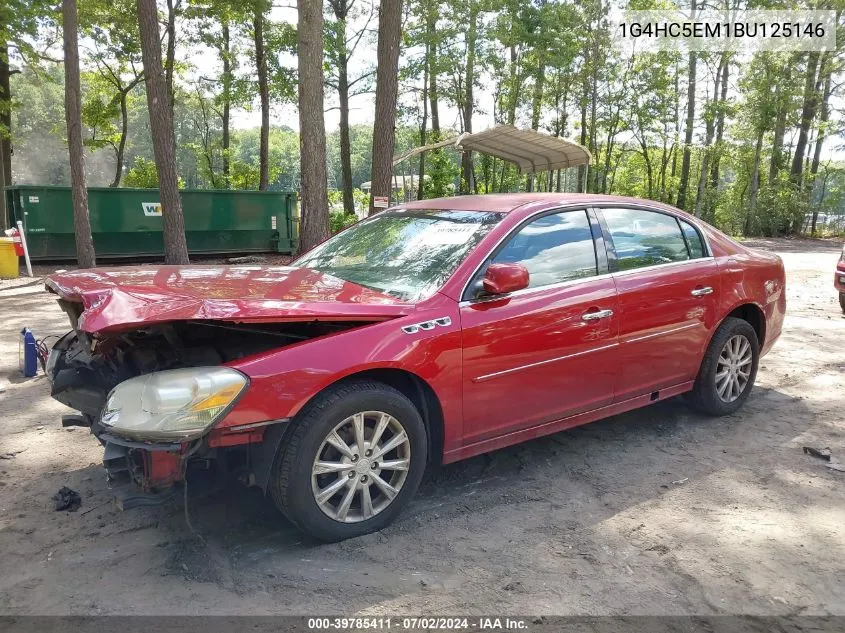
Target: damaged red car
(428,333)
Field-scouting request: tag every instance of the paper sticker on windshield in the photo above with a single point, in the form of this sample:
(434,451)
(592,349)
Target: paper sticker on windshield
(448,233)
(443,234)
(152,209)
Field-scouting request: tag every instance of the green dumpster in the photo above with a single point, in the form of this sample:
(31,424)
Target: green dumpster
(127,222)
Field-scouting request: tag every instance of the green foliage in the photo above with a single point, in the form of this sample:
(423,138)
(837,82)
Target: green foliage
(338,220)
(100,111)
(443,171)
(142,174)
(537,63)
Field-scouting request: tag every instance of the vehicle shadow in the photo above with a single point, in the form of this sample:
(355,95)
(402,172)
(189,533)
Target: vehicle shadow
(496,509)
(549,486)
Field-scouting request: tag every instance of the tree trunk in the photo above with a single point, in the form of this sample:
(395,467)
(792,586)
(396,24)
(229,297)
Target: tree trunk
(710,127)
(264,95)
(690,125)
(170,63)
(343,104)
(227,101)
(677,121)
(514,85)
(594,97)
(536,105)
(468,178)
(824,117)
(160,106)
(121,145)
(73,116)
(755,183)
(720,124)
(423,125)
(5,131)
(585,86)
(777,162)
(387,85)
(431,52)
(808,113)
(312,135)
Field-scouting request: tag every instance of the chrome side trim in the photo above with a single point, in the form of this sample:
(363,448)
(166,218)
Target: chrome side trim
(577,206)
(255,425)
(663,333)
(542,362)
(536,289)
(427,325)
(684,262)
(581,280)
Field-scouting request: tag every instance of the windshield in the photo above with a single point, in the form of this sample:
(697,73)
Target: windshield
(406,254)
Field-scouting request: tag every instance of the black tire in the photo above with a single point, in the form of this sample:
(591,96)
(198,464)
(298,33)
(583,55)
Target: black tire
(705,396)
(291,481)
(842,301)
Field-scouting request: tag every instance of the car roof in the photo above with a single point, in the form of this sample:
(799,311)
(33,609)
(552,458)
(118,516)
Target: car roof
(505,202)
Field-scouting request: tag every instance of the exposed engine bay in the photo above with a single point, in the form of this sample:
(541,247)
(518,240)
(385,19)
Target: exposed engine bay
(84,368)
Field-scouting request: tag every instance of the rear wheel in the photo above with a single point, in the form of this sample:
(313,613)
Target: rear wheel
(354,459)
(842,301)
(728,369)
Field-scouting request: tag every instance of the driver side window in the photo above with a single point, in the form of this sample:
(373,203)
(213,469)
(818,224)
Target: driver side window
(554,248)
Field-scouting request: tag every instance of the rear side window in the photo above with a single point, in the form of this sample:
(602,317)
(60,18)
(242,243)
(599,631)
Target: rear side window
(696,248)
(554,248)
(645,238)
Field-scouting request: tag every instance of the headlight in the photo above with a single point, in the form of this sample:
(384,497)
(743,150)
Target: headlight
(178,404)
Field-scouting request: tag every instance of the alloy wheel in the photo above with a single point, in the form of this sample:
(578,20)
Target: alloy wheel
(733,369)
(361,466)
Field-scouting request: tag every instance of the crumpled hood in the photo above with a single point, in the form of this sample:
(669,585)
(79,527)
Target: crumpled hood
(124,298)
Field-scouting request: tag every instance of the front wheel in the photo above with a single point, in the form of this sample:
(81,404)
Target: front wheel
(354,459)
(728,369)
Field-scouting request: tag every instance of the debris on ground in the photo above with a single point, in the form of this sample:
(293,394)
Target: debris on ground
(67,499)
(823,453)
(678,482)
(11,454)
(247,259)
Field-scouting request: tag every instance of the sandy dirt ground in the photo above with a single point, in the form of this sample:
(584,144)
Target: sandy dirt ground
(660,511)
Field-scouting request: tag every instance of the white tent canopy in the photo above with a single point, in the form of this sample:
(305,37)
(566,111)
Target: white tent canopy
(531,151)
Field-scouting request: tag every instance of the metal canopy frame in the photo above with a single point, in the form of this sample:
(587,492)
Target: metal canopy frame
(531,151)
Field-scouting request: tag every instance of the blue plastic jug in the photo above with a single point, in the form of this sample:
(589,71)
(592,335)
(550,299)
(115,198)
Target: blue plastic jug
(27,353)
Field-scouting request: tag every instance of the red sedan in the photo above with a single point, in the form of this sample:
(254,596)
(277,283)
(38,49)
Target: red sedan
(431,332)
(839,279)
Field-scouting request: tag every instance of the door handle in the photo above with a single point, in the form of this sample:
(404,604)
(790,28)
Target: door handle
(700,292)
(595,316)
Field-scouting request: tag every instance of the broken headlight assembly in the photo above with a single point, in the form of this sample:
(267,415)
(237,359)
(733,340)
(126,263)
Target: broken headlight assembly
(173,405)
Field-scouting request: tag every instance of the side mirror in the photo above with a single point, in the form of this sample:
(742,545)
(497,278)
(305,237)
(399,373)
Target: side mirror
(500,279)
